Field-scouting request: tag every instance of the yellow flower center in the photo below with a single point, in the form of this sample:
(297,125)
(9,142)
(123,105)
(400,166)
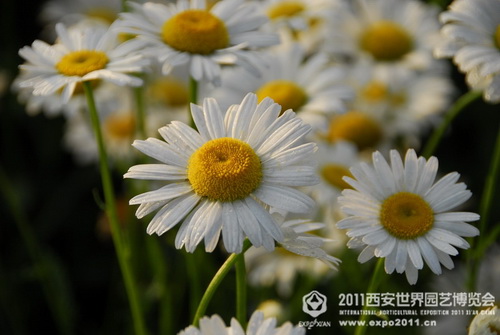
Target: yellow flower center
(79,63)
(375,91)
(333,174)
(169,91)
(284,92)
(406,215)
(224,169)
(102,13)
(285,9)
(120,126)
(497,37)
(195,31)
(386,41)
(355,127)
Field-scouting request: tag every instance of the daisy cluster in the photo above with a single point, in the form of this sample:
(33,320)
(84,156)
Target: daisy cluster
(281,122)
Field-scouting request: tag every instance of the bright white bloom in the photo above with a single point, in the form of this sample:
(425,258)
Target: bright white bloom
(83,53)
(487,322)
(385,31)
(471,36)
(227,176)
(257,325)
(400,213)
(187,33)
(312,87)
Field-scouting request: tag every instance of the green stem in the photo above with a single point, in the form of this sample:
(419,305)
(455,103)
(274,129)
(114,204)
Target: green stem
(193,97)
(460,104)
(484,211)
(122,249)
(141,111)
(241,291)
(372,288)
(216,280)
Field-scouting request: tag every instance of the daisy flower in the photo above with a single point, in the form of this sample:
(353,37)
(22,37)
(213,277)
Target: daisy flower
(385,31)
(257,325)
(398,212)
(299,252)
(487,322)
(83,53)
(312,87)
(228,176)
(188,33)
(471,36)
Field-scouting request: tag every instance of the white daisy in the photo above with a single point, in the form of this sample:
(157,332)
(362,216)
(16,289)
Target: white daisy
(487,322)
(83,53)
(188,33)
(471,36)
(257,325)
(312,87)
(284,264)
(399,213)
(386,31)
(223,178)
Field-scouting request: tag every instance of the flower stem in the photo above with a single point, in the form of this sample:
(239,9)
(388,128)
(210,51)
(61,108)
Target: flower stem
(451,114)
(372,287)
(141,111)
(241,291)
(484,211)
(193,97)
(216,280)
(121,248)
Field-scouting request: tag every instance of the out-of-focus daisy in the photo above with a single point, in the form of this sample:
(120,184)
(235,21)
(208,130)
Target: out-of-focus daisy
(312,87)
(69,12)
(404,103)
(385,31)
(188,33)
(304,19)
(119,127)
(257,325)
(334,161)
(226,177)
(285,263)
(83,53)
(471,36)
(398,212)
(487,322)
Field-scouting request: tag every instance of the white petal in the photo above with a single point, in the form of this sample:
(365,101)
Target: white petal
(284,198)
